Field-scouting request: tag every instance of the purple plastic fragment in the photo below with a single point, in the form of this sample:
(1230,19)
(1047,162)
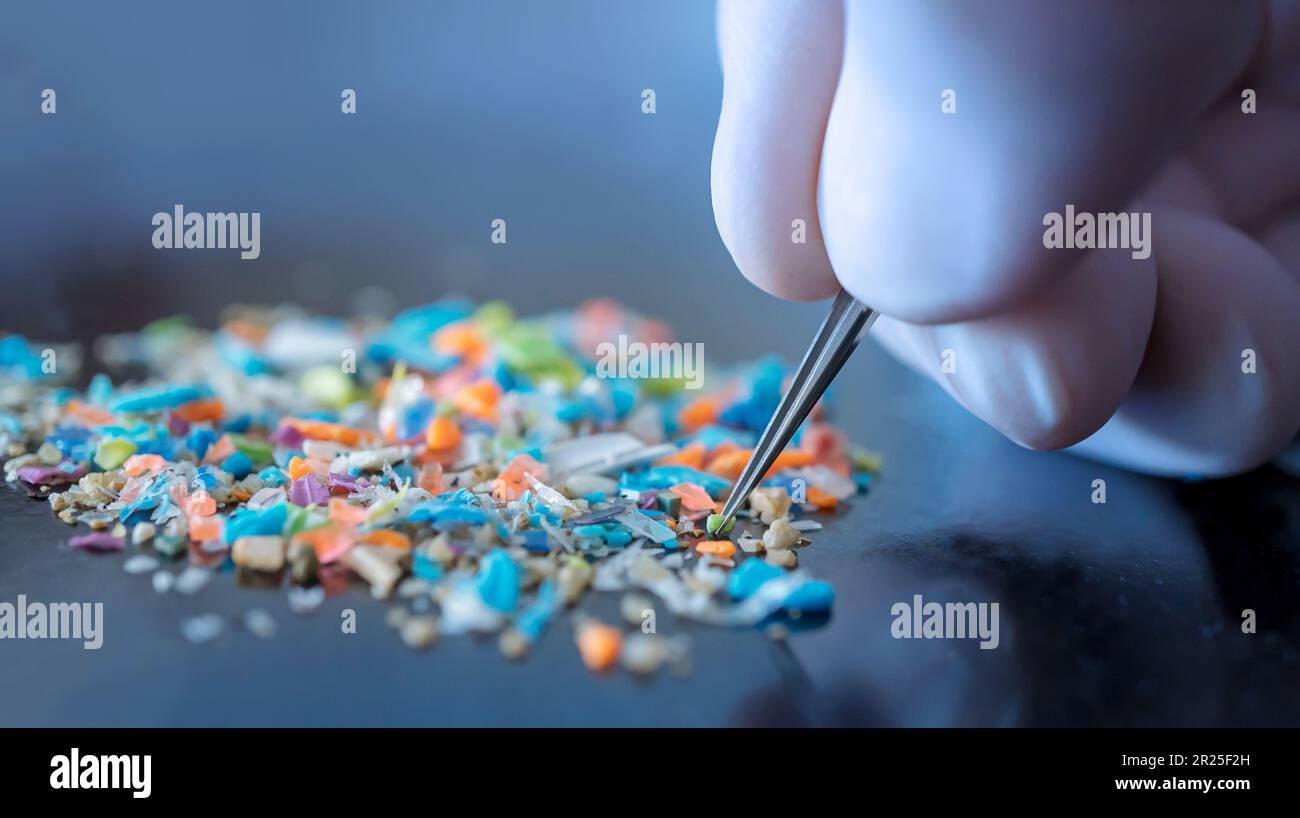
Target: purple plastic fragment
(649,500)
(287,437)
(50,475)
(177,426)
(97,541)
(603,515)
(339,480)
(308,490)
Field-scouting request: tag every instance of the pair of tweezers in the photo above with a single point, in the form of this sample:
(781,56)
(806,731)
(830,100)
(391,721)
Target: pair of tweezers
(848,320)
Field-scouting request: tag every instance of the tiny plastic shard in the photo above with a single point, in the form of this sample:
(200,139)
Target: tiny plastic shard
(633,607)
(191,580)
(643,654)
(419,632)
(305,600)
(142,533)
(202,628)
(770,503)
(376,567)
(162,581)
(782,558)
(260,623)
(140,564)
(780,535)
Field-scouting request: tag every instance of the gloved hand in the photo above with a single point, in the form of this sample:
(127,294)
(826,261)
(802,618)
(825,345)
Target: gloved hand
(833,113)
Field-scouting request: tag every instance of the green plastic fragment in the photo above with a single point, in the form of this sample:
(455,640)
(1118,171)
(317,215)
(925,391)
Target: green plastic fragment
(113,452)
(329,385)
(168,545)
(494,318)
(531,349)
(714,525)
(260,452)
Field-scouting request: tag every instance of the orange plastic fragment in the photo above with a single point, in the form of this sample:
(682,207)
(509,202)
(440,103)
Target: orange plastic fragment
(323,430)
(248,331)
(692,456)
(479,399)
(699,412)
(138,464)
(220,450)
(694,497)
(200,410)
(430,479)
(731,464)
(341,511)
(442,434)
(827,448)
(330,542)
(718,548)
(199,504)
(821,499)
(298,468)
(386,538)
(599,645)
(461,339)
(203,528)
(87,415)
(513,480)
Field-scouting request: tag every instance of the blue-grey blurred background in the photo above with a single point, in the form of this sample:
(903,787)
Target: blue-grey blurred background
(468,110)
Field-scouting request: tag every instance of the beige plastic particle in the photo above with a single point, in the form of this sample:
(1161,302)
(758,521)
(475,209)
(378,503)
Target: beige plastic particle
(260,553)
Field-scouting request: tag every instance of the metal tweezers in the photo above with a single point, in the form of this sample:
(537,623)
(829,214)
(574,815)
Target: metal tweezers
(848,320)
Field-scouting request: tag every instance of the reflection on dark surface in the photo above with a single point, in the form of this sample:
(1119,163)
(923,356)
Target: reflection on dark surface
(1081,645)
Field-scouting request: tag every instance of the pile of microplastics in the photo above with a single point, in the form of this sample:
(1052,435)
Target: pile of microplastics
(472,466)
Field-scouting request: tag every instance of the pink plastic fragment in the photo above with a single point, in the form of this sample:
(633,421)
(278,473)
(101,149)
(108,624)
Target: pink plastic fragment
(694,497)
(99,542)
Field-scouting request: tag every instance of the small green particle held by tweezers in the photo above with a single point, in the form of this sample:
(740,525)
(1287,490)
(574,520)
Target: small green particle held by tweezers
(715,524)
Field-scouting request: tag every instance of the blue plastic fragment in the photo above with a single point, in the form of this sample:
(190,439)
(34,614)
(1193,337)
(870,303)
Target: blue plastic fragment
(199,440)
(273,476)
(248,523)
(155,399)
(425,568)
(497,581)
(713,436)
(813,596)
(618,537)
(532,620)
(204,478)
(665,477)
(749,576)
(537,541)
(446,515)
(238,465)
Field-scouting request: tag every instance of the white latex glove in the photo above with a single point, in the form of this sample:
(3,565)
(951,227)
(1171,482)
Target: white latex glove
(832,114)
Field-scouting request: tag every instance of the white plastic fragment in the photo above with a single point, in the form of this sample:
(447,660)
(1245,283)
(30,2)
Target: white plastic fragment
(259,622)
(202,628)
(305,600)
(192,580)
(609,452)
(140,564)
